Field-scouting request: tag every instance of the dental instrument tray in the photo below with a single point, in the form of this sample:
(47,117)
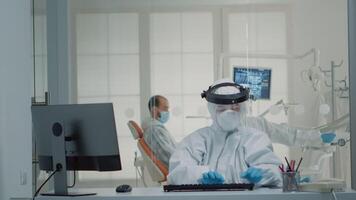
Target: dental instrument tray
(208,187)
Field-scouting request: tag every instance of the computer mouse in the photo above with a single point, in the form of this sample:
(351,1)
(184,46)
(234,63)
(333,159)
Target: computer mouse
(123,188)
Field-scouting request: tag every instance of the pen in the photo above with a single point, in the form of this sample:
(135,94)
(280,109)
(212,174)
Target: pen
(301,158)
(289,169)
(281,167)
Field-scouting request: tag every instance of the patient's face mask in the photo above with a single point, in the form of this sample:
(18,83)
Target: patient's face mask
(229,120)
(163,117)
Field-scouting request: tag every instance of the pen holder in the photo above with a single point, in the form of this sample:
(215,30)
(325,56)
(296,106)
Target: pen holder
(290,181)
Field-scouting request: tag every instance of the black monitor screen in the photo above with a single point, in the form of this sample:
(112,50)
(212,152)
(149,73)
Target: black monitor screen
(89,131)
(257,79)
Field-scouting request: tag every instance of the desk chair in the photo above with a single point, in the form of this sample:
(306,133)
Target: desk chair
(156,169)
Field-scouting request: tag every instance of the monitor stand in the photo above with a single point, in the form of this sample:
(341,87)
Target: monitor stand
(59,163)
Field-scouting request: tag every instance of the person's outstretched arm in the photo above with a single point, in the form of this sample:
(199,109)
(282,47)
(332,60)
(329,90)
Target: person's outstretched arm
(284,134)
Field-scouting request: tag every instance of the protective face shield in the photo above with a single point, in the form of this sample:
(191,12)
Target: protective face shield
(226,104)
(226,93)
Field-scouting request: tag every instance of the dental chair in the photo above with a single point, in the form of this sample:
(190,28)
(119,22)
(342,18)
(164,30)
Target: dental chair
(155,167)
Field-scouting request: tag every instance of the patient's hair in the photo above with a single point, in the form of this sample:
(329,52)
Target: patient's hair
(155,101)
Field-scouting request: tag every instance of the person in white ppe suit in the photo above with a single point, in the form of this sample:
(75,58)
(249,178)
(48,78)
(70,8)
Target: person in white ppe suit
(287,135)
(227,151)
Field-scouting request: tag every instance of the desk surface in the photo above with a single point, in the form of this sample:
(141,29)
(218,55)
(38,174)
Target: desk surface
(156,193)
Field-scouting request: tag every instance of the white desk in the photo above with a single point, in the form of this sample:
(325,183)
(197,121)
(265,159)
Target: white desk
(156,193)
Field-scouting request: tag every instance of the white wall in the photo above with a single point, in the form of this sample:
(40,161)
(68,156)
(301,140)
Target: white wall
(16,66)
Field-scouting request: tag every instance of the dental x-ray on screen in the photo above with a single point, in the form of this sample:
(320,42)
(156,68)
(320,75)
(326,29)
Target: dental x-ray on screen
(257,79)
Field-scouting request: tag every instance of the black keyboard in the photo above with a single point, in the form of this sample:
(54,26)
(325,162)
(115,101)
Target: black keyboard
(208,187)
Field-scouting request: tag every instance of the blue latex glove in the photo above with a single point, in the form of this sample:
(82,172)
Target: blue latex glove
(252,174)
(211,177)
(328,137)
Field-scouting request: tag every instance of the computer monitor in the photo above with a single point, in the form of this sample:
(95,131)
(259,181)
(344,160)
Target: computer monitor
(255,78)
(75,137)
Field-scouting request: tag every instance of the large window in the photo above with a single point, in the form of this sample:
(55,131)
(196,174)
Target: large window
(108,71)
(181,50)
(181,53)
(126,51)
